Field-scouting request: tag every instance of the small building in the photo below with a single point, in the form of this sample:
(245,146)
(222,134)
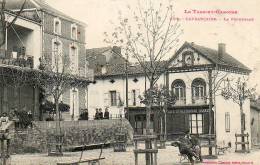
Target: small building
(255,122)
(42,31)
(194,70)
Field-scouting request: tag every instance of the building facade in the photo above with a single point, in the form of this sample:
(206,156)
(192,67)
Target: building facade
(193,72)
(42,32)
(255,122)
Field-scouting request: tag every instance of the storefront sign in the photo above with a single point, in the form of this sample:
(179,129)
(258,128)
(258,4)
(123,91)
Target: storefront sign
(190,111)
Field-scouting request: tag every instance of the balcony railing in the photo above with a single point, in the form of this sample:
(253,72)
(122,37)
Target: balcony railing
(199,100)
(180,101)
(22,60)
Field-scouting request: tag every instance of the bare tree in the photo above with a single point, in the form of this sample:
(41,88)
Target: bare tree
(57,74)
(239,92)
(5,25)
(215,81)
(147,37)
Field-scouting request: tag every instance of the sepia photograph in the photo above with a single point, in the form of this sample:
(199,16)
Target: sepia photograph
(129,82)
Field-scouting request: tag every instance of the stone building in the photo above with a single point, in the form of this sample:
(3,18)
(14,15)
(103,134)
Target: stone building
(193,71)
(255,122)
(39,32)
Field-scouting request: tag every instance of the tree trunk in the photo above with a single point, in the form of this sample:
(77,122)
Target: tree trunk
(242,126)
(58,128)
(148,125)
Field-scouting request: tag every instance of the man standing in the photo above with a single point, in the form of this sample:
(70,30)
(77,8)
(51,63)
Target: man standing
(106,114)
(84,115)
(96,117)
(100,114)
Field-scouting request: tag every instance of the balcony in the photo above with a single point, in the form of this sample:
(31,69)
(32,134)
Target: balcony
(16,60)
(180,102)
(199,100)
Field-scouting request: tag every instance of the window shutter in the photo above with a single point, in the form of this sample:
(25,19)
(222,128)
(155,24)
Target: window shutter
(118,99)
(137,97)
(130,97)
(106,99)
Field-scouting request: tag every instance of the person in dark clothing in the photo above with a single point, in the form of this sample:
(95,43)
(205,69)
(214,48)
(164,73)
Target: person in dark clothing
(184,149)
(100,114)
(96,117)
(84,115)
(106,114)
(30,118)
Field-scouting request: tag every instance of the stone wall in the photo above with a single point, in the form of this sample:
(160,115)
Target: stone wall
(76,133)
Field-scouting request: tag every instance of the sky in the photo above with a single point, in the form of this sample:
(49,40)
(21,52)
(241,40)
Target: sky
(242,38)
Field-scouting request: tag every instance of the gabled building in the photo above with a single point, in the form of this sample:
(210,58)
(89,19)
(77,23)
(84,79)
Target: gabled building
(192,72)
(39,32)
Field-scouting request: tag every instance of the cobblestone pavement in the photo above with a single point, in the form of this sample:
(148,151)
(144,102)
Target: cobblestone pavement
(168,156)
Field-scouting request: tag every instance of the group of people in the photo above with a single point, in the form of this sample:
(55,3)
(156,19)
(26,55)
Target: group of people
(99,114)
(22,119)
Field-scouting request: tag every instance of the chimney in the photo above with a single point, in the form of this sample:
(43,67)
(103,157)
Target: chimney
(221,50)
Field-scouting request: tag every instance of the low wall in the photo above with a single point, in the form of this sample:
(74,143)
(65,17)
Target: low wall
(76,133)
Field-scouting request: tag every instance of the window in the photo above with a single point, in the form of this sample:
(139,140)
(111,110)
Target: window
(196,123)
(178,88)
(140,123)
(227,122)
(57,62)
(113,99)
(74,59)
(198,90)
(74,31)
(57,26)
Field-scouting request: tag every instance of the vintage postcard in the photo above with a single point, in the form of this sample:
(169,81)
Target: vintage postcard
(129,82)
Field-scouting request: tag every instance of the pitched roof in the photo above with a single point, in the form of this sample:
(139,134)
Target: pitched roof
(41,5)
(113,69)
(133,69)
(98,57)
(212,55)
(255,104)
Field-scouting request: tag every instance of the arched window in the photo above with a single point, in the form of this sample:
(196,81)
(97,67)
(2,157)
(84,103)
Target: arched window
(179,90)
(57,26)
(74,31)
(198,91)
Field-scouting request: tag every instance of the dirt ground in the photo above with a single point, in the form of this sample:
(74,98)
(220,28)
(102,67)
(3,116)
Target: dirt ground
(168,156)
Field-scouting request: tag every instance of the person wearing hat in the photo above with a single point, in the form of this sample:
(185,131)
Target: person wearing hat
(4,119)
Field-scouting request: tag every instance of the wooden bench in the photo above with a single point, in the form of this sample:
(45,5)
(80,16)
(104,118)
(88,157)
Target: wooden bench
(90,161)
